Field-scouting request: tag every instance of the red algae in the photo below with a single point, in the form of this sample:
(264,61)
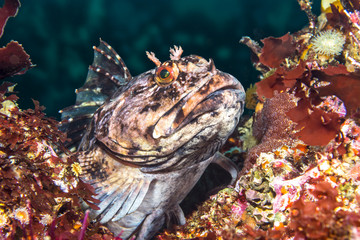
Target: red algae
(300,181)
(40,191)
(40,188)
(9,9)
(13,58)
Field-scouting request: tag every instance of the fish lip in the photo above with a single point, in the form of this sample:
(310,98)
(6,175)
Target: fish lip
(195,114)
(229,87)
(167,125)
(161,147)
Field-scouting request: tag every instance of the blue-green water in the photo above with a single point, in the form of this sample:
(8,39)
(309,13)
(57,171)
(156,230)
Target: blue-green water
(59,34)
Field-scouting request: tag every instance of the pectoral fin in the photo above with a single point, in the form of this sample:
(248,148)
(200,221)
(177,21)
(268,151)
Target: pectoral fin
(151,224)
(175,216)
(227,165)
(120,188)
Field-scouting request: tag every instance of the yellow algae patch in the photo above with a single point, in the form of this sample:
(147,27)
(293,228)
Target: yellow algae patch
(325,5)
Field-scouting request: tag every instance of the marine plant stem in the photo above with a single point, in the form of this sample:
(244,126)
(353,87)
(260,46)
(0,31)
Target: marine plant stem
(84,226)
(28,205)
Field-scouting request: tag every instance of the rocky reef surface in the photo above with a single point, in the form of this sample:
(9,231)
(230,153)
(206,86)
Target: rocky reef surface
(40,189)
(300,178)
(299,152)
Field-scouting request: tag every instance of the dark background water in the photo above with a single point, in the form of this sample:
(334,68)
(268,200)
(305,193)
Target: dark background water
(59,35)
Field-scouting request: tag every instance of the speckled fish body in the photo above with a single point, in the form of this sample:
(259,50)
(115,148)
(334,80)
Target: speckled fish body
(149,142)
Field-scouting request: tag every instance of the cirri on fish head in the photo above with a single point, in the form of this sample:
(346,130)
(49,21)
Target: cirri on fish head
(152,136)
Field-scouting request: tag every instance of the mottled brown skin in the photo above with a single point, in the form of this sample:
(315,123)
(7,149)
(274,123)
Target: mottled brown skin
(149,143)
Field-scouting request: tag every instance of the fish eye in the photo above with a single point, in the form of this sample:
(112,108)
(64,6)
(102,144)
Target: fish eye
(164,75)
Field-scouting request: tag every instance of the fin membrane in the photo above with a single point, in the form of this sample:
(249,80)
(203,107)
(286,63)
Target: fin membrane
(106,75)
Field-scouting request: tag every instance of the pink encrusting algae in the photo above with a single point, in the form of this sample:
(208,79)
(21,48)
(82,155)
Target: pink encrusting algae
(301,179)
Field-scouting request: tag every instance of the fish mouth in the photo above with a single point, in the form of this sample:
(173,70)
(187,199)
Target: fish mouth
(197,114)
(207,99)
(188,127)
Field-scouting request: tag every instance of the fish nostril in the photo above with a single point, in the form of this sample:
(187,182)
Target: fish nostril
(145,141)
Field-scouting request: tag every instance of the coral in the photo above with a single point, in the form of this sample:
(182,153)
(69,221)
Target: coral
(318,218)
(22,215)
(329,42)
(300,182)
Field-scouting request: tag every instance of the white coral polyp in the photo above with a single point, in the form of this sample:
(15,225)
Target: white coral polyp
(329,43)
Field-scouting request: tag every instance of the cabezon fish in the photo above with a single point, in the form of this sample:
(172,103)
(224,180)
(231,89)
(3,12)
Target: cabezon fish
(143,142)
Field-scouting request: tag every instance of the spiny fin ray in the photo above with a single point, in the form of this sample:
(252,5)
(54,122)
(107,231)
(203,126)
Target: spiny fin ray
(106,75)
